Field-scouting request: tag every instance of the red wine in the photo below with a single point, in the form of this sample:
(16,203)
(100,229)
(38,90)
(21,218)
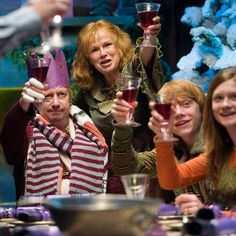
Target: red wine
(164,110)
(40,73)
(146,18)
(130,94)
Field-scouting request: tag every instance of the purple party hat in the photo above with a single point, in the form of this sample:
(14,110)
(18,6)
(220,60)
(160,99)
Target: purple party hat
(57,75)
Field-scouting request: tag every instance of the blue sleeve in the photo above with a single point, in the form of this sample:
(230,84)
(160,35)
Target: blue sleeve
(18,26)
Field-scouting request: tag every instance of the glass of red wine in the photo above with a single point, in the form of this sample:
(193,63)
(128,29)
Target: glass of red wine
(146,12)
(163,103)
(39,68)
(129,85)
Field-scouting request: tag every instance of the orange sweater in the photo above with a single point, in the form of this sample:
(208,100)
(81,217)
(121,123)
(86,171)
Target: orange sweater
(172,175)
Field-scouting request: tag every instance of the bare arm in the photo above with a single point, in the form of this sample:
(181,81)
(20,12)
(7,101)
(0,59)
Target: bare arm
(147,52)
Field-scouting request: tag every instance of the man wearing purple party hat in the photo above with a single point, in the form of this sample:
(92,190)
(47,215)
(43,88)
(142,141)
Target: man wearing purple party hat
(58,150)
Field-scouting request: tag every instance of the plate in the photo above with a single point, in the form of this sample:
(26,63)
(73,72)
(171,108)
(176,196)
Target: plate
(22,223)
(174,222)
(174,226)
(6,225)
(174,217)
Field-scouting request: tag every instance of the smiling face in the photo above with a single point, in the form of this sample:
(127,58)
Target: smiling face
(187,120)
(103,54)
(189,101)
(56,107)
(224,104)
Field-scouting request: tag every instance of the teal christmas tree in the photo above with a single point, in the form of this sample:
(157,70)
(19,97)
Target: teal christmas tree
(214,41)
(101,8)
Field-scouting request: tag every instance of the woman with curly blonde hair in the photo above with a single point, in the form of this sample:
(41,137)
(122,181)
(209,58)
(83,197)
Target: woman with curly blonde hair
(82,68)
(105,52)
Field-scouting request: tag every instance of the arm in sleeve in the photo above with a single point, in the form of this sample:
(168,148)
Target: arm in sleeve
(125,160)
(17,27)
(154,75)
(13,135)
(172,175)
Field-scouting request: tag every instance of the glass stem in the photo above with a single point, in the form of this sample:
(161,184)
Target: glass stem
(146,36)
(130,117)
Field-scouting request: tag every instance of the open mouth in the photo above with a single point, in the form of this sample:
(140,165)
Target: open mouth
(181,123)
(106,62)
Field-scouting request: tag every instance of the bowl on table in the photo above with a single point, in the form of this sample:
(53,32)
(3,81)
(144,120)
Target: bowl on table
(103,215)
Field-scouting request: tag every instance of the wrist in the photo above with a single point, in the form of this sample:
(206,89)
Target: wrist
(24,105)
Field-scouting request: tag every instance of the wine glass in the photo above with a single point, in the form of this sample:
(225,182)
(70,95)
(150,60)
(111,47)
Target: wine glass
(146,12)
(53,41)
(56,40)
(38,68)
(163,102)
(44,47)
(129,85)
(135,185)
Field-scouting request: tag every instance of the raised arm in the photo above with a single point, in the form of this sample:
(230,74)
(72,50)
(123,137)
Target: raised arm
(148,52)
(125,159)
(170,174)
(13,135)
(27,21)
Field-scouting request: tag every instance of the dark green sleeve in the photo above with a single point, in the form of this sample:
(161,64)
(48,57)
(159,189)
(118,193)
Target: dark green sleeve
(125,159)
(153,75)
(80,101)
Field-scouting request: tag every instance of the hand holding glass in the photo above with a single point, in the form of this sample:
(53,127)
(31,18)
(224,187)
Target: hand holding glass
(129,85)
(147,11)
(39,68)
(53,41)
(163,104)
(56,40)
(135,185)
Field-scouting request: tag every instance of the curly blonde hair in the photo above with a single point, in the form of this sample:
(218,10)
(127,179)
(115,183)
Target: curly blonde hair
(83,73)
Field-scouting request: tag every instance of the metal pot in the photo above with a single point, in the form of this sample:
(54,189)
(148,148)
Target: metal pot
(103,215)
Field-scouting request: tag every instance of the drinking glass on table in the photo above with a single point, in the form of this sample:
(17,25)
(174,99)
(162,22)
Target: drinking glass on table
(129,86)
(163,104)
(135,185)
(146,12)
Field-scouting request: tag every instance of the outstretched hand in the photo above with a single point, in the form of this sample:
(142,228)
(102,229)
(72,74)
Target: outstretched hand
(47,9)
(188,203)
(156,119)
(120,108)
(155,28)
(32,92)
